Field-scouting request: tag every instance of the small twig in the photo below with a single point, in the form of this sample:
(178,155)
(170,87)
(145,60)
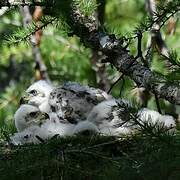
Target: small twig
(40,139)
(115,83)
(37,28)
(139,49)
(122,75)
(102,144)
(122,86)
(149,50)
(157,103)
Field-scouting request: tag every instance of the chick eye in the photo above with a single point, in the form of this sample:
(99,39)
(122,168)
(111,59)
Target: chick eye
(53,109)
(33,114)
(33,92)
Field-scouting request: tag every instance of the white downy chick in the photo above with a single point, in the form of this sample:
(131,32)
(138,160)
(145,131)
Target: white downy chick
(33,125)
(111,118)
(38,95)
(37,134)
(105,119)
(28,115)
(155,117)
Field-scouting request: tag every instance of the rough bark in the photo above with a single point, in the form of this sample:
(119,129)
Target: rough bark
(87,29)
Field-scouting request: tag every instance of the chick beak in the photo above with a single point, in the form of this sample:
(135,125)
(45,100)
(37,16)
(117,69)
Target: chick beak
(44,116)
(24,99)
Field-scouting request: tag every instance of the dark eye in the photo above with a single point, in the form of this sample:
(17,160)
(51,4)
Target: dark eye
(33,92)
(33,114)
(53,109)
(26,136)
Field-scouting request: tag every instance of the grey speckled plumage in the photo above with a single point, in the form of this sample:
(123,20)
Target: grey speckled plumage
(73,102)
(111,117)
(115,117)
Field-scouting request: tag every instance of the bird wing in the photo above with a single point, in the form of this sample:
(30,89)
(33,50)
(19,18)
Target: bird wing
(96,94)
(74,101)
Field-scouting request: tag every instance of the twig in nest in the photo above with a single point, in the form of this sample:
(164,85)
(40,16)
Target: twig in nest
(40,139)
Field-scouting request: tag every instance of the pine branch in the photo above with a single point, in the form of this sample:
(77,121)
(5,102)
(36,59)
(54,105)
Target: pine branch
(24,35)
(173,57)
(18,3)
(160,16)
(165,12)
(94,158)
(118,56)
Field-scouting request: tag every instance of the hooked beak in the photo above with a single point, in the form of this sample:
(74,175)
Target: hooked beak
(24,99)
(43,117)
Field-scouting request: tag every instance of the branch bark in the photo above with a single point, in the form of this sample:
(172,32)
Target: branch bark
(87,29)
(17,3)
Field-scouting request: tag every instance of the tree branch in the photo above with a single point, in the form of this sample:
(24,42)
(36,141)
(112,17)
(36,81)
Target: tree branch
(87,29)
(16,3)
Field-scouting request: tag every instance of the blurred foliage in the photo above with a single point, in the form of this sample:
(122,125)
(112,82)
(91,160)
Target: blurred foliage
(68,60)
